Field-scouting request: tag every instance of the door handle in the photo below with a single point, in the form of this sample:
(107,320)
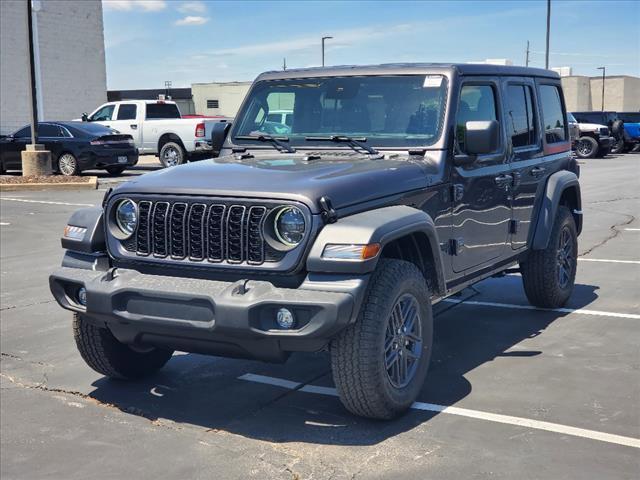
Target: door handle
(133,126)
(503,180)
(537,171)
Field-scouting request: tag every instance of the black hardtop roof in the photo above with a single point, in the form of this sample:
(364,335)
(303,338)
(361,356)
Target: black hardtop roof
(409,69)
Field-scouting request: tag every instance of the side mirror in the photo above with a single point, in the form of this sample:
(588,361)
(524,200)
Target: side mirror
(481,137)
(218,136)
(85,117)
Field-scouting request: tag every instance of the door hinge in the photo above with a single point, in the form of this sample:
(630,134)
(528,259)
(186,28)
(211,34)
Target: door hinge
(513,226)
(457,192)
(455,246)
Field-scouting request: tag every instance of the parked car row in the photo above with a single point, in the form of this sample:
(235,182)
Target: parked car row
(596,134)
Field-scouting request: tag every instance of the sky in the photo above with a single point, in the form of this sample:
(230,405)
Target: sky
(188,41)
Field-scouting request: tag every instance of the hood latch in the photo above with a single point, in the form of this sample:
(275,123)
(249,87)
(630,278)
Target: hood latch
(328,213)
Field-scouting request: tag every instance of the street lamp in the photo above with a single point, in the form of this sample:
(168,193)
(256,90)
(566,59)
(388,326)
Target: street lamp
(323,39)
(604,72)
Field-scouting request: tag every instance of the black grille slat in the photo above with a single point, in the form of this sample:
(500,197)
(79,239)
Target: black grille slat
(196,230)
(142,233)
(255,242)
(177,233)
(159,229)
(215,232)
(235,234)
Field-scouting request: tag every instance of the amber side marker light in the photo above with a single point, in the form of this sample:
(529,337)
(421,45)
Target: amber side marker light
(351,252)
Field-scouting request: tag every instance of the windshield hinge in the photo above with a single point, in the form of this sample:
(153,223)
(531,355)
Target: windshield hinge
(328,213)
(105,199)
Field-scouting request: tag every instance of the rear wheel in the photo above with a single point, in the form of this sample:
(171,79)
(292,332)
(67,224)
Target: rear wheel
(172,154)
(115,170)
(68,165)
(586,147)
(106,355)
(380,362)
(618,146)
(549,275)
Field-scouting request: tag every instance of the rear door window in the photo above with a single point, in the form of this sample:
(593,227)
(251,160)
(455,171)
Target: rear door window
(156,111)
(553,119)
(49,131)
(477,103)
(520,117)
(127,111)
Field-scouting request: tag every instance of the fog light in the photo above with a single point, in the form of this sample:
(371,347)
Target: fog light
(285,319)
(82,296)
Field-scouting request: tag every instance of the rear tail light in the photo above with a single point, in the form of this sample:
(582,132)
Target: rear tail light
(200,130)
(97,142)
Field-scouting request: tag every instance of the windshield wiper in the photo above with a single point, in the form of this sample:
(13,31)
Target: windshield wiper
(355,143)
(275,141)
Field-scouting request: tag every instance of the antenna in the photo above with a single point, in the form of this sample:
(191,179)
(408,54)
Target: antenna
(527,57)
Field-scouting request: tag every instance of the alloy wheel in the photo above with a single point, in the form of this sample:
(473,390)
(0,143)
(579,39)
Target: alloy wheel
(403,341)
(565,257)
(67,164)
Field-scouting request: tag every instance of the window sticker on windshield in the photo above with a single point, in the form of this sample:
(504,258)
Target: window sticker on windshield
(432,81)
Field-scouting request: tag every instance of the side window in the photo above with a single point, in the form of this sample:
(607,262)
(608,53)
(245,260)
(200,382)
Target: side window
(127,111)
(49,131)
(520,117)
(104,114)
(477,103)
(23,132)
(552,117)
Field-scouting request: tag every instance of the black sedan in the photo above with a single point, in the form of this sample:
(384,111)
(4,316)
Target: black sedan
(74,147)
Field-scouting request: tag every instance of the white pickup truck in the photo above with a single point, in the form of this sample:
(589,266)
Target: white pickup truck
(158,128)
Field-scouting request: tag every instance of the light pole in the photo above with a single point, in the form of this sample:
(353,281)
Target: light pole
(323,39)
(604,72)
(546,53)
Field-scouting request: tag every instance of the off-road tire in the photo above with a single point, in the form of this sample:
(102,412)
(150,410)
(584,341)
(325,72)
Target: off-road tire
(180,158)
(618,146)
(585,152)
(115,169)
(358,353)
(540,271)
(106,355)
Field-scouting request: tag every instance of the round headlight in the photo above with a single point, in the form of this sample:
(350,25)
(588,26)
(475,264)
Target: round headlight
(127,216)
(289,226)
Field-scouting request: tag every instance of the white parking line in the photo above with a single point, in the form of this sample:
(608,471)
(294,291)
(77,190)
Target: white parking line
(4,224)
(580,311)
(463,412)
(603,260)
(632,229)
(24,200)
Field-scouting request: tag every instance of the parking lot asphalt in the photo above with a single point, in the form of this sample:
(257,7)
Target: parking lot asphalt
(512,392)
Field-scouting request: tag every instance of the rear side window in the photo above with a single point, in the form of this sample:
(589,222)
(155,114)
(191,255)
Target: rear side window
(127,111)
(477,103)
(162,110)
(49,131)
(520,116)
(552,116)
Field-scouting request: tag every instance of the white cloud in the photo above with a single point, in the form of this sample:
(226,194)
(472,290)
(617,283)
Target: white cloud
(128,5)
(192,7)
(190,20)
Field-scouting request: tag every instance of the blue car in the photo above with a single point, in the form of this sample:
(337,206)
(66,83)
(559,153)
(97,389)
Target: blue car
(631,129)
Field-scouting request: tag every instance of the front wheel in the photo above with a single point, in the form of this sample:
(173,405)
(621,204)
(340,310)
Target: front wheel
(106,355)
(549,275)
(380,362)
(586,147)
(172,154)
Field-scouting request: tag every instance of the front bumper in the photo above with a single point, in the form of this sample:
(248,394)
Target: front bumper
(606,141)
(214,317)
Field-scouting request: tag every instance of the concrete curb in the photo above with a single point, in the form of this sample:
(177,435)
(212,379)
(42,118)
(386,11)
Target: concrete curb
(92,184)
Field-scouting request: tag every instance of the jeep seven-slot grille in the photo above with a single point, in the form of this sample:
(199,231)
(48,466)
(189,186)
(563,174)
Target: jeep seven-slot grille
(198,232)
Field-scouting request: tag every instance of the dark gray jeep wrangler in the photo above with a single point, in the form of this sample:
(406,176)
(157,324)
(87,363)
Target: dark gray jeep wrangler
(345,202)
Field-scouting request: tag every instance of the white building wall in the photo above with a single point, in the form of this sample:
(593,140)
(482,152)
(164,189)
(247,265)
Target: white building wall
(229,95)
(72,76)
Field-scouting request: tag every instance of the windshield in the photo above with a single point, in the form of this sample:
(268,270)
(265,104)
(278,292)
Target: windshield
(387,111)
(571,118)
(629,117)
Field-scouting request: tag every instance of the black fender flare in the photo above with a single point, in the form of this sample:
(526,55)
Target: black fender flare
(557,184)
(93,240)
(381,226)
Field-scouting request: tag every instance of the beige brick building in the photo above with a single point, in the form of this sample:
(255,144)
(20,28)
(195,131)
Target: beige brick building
(621,93)
(69,50)
(219,98)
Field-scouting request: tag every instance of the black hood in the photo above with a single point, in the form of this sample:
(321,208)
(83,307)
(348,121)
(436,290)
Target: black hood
(347,179)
